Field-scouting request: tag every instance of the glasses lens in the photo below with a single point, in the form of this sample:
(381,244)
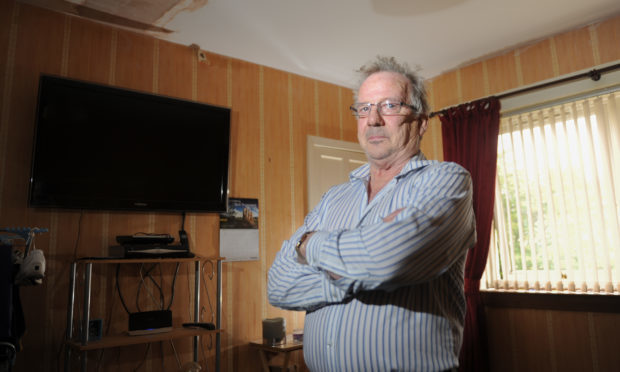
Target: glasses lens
(360,109)
(390,107)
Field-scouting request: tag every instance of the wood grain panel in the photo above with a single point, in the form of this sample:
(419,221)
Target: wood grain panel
(500,340)
(134,61)
(6,20)
(532,339)
(89,51)
(245,133)
(608,34)
(445,90)
(574,51)
(473,82)
(213,80)
(431,144)
(277,167)
(502,72)
(536,62)
(39,41)
(572,337)
(303,124)
(241,281)
(606,327)
(349,122)
(329,112)
(175,70)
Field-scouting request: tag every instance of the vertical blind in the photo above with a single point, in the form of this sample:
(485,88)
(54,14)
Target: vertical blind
(557,212)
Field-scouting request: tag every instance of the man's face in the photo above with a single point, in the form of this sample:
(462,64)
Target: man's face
(387,139)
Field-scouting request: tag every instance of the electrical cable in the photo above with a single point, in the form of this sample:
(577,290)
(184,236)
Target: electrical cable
(176,355)
(174,280)
(77,238)
(161,293)
(118,289)
(146,353)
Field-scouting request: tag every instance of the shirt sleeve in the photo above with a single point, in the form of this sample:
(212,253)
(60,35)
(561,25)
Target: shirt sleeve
(294,286)
(434,229)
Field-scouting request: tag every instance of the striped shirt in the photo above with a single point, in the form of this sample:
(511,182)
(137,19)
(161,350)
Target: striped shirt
(400,303)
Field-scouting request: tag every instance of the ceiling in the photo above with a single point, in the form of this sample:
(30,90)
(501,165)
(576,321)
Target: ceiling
(329,39)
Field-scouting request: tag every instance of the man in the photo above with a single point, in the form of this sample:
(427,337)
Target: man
(378,264)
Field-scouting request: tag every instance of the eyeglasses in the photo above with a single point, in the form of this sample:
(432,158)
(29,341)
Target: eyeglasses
(386,107)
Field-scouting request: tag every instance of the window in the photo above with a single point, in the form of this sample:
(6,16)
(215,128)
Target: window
(557,199)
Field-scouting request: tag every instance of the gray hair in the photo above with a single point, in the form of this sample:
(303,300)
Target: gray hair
(416,89)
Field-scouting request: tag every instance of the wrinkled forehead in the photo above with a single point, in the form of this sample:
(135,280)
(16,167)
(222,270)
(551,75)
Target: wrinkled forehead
(382,85)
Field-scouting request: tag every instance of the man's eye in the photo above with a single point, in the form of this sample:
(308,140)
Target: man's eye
(389,105)
(364,109)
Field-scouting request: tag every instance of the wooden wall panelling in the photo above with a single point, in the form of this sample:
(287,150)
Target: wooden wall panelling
(277,168)
(445,90)
(90,48)
(431,144)
(500,339)
(174,72)
(243,281)
(608,39)
(473,82)
(349,122)
(605,328)
(573,341)
(571,55)
(134,57)
(7,40)
(536,62)
(330,113)
(303,123)
(213,79)
(532,339)
(38,49)
(502,71)
(38,46)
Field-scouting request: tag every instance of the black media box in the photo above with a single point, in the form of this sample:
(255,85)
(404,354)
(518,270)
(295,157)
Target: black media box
(147,322)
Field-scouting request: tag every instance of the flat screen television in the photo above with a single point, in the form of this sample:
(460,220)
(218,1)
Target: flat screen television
(105,148)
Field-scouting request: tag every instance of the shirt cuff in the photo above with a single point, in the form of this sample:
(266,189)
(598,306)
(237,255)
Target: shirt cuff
(313,247)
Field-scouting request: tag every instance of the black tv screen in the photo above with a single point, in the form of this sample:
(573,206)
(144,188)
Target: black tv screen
(101,147)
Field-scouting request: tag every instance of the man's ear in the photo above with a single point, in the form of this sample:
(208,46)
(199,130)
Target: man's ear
(423,126)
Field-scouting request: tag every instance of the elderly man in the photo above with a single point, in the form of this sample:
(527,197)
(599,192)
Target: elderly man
(378,263)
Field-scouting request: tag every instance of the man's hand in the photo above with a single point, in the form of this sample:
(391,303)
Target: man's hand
(301,251)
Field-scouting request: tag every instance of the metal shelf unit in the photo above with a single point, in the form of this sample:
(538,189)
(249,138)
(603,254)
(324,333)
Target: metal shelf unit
(83,345)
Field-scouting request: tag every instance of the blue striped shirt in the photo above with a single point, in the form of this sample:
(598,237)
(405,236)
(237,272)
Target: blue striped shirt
(400,304)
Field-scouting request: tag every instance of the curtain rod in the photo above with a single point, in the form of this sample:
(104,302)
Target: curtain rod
(594,74)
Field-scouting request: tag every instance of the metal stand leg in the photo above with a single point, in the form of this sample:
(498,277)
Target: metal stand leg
(69,330)
(196,305)
(218,316)
(86,312)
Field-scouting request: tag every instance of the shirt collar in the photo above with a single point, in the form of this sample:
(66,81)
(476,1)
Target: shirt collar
(417,161)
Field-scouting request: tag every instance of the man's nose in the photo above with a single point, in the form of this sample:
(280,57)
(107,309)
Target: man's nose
(374,118)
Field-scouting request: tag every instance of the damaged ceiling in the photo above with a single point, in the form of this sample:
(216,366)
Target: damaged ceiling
(328,40)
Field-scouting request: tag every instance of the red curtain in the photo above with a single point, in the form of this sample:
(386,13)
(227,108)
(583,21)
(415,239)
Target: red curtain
(470,134)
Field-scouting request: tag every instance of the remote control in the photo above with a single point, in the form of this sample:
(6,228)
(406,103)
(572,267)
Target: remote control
(209,326)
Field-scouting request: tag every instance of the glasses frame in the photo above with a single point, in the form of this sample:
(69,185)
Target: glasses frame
(356,113)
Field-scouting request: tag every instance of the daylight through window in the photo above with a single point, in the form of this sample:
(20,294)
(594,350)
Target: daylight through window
(557,212)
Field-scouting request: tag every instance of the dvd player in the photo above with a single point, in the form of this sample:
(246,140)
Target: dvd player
(138,239)
(149,251)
